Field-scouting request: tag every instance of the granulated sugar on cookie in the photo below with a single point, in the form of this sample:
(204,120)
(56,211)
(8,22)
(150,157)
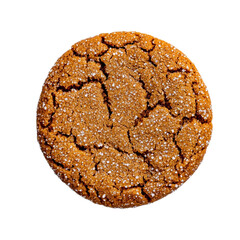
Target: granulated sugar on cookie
(124,119)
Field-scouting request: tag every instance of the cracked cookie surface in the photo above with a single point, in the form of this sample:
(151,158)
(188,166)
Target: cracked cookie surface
(124,119)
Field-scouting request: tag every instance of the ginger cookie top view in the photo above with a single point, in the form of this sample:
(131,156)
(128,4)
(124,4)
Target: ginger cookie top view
(124,119)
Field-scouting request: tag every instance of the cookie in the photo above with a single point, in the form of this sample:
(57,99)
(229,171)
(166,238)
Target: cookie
(124,119)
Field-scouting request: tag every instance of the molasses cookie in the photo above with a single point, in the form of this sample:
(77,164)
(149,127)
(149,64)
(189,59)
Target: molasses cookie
(124,119)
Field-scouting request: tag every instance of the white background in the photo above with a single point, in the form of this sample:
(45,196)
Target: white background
(34,203)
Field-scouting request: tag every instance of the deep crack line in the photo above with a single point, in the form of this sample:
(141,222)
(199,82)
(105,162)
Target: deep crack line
(176,144)
(113,46)
(149,54)
(84,184)
(141,155)
(145,194)
(104,89)
(77,87)
(145,113)
(198,116)
(57,163)
(106,99)
(148,94)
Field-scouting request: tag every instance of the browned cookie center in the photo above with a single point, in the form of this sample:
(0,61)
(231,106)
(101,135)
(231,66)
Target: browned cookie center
(124,118)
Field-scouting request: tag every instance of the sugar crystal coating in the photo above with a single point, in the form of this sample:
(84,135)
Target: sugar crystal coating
(124,119)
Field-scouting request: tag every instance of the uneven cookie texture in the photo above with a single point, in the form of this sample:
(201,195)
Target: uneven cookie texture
(124,119)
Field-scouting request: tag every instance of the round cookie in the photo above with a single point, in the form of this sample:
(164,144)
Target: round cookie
(124,119)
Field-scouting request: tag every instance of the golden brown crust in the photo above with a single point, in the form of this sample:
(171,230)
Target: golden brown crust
(124,119)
